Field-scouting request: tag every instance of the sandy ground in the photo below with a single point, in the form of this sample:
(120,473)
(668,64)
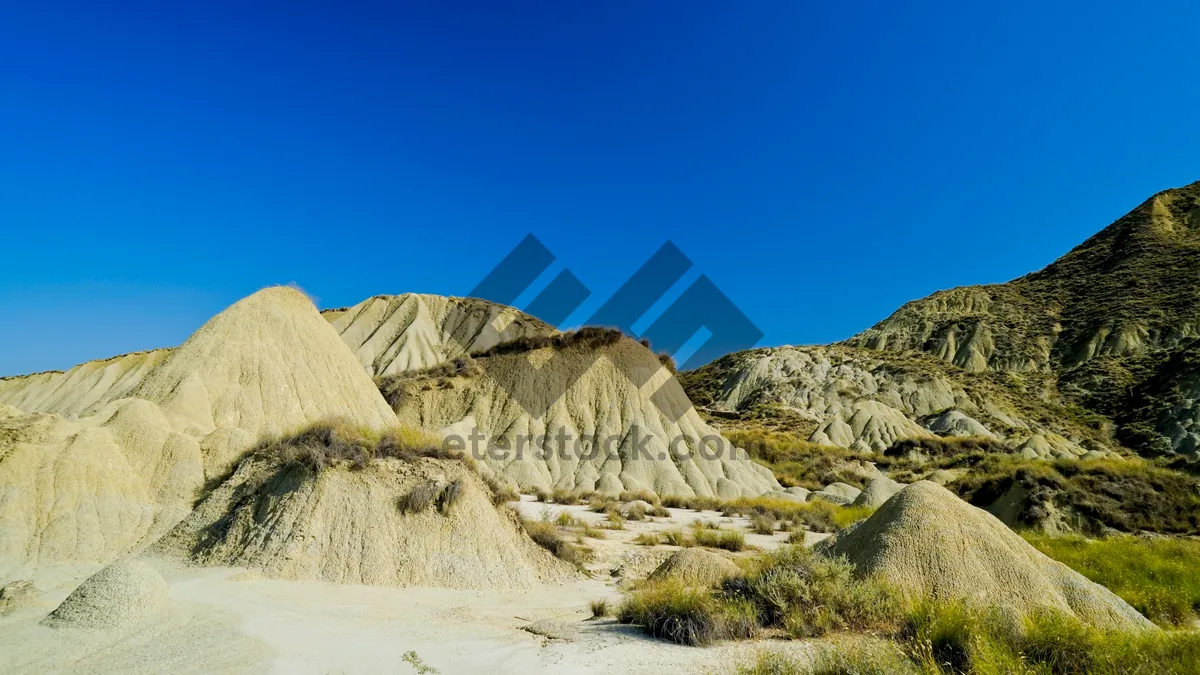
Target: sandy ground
(227,620)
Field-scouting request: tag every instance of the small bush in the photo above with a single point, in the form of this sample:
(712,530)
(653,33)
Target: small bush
(647,539)
(593,532)
(615,521)
(502,492)
(420,498)
(547,536)
(728,540)
(636,512)
(674,537)
(675,612)
(600,609)
(449,496)
(659,512)
(849,515)
(761,523)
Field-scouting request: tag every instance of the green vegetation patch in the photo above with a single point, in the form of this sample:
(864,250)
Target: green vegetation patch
(1157,576)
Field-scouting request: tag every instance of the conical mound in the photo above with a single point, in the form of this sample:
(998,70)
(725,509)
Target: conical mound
(122,593)
(268,364)
(625,422)
(695,567)
(396,522)
(928,542)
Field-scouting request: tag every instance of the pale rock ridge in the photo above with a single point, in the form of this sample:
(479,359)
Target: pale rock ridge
(81,389)
(602,402)
(856,398)
(391,334)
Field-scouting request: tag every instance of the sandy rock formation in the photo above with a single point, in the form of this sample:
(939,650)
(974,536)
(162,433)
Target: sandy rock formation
(927,541)
(128,469)
(392,334)
(266,365)
(347,526)
(601,401)
(877,491)
(956,423)
(123,593)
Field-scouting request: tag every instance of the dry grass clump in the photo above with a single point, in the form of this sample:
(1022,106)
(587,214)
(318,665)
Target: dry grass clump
(796,462)
(675,538)
(635,512)
(615,521)
(791,589)
(934,447)
(600,609)
(429,493)
(588,337)
(953,638)
(817,515)
(548,537)
(339,443)
(658,511)
(729,540)
(502,492)
(648,539)
(761,523)
(392,387)
(693,503)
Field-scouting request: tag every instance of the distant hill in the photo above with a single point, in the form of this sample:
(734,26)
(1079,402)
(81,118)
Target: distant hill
(1102,348)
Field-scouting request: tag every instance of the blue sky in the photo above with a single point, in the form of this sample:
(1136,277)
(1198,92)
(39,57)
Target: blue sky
(822,163)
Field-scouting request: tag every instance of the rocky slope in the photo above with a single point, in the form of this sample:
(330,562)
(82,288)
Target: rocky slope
(626,424)
(1092,350)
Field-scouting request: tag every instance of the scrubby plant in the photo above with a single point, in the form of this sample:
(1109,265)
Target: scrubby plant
(675,537)
(728,540)
(565,519)
(600,609)
(449,496)
(548,537)
(1129,495)
(419,666)
(761,523)
(635,512)
(676,612)
(420,497)
(658,511)
(502,492)
(615,521)
(647,539)
(588,337)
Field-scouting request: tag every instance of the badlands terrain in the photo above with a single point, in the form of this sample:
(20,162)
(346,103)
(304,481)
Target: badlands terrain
(994,479)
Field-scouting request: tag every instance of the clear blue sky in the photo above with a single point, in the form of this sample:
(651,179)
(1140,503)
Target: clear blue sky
(822,162)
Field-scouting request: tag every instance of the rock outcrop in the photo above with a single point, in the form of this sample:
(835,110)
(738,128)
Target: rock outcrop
(576,418)
(349,526)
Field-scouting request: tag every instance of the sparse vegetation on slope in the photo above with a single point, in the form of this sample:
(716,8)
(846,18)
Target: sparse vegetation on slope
(1126,495)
